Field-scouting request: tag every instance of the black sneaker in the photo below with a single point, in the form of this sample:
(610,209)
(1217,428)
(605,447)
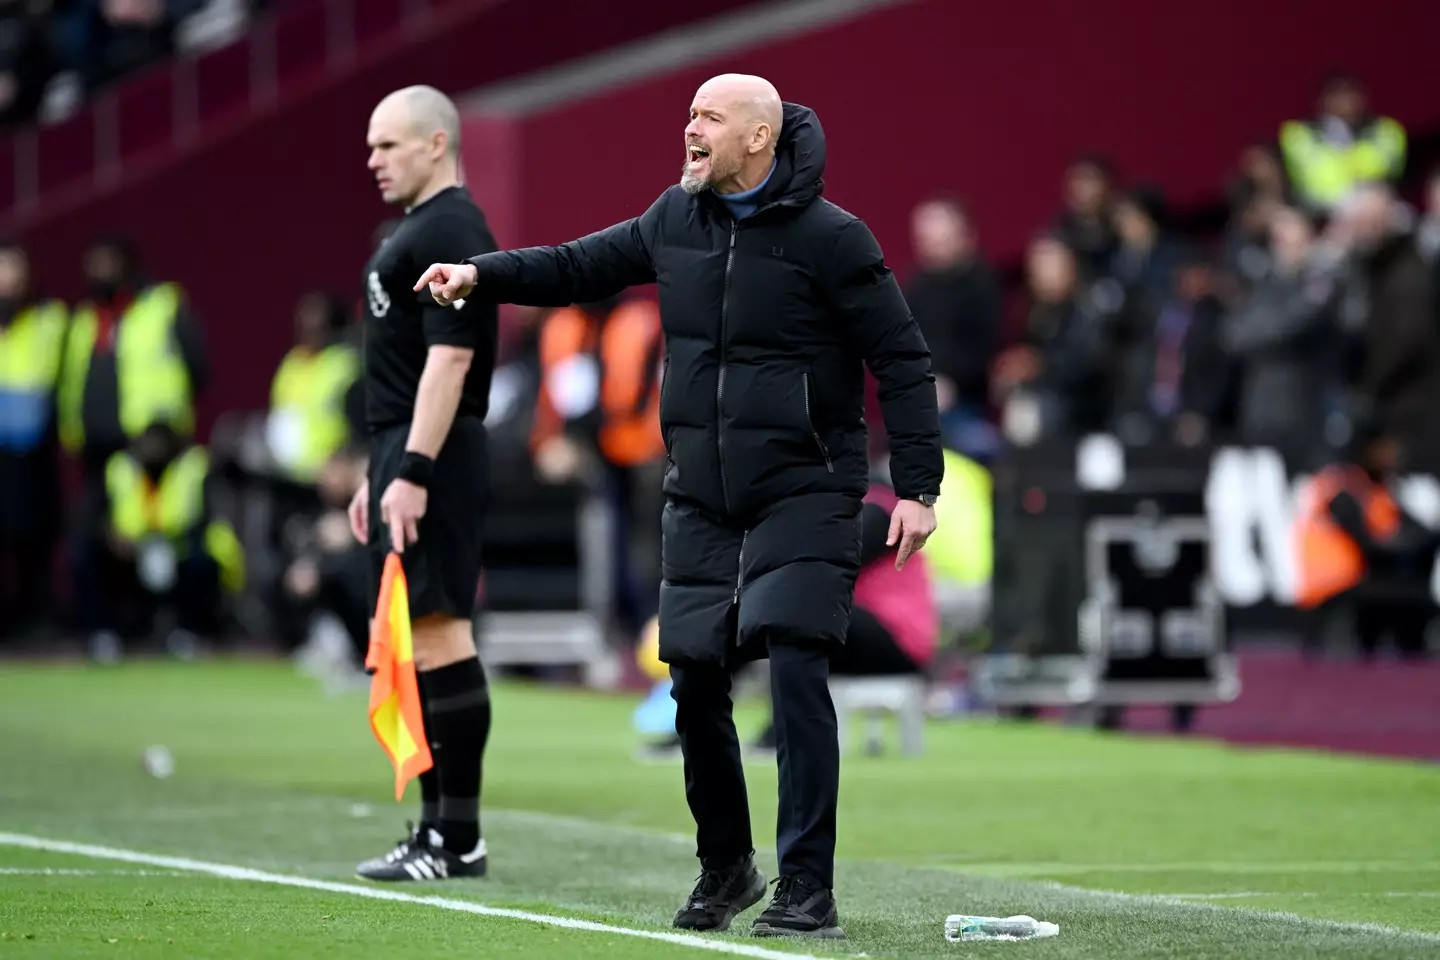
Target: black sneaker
(401,850)
(800,908)
(720,895)
(422,857)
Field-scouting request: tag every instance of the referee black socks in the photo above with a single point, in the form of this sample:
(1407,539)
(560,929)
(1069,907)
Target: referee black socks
(457,715)
(430,779)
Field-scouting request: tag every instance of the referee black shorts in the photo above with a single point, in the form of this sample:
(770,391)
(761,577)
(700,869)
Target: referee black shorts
(443,567)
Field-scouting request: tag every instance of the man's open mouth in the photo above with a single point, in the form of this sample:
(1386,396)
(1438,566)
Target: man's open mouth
(697,153)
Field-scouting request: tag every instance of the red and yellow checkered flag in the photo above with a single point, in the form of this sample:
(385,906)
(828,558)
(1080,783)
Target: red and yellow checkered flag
(395,715)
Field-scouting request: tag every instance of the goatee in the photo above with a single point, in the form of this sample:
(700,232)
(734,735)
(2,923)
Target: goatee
(690,183)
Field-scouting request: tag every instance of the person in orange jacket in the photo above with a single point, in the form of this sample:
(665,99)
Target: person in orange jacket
(599,401)
(1358,548)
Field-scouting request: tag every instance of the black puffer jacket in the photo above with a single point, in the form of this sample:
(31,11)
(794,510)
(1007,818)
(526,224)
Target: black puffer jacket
(767,321)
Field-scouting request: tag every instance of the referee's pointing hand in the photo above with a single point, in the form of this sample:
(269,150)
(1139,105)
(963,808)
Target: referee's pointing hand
(448,282)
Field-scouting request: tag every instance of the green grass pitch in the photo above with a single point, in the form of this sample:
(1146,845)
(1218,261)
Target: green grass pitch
(1136,847)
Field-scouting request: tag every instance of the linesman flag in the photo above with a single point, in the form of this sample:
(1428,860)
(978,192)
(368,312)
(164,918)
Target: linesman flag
(395,715)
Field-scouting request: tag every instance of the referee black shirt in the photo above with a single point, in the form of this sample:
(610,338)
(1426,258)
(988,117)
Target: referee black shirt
(401,325)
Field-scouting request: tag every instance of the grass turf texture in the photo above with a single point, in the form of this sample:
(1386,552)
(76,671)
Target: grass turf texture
(1137,848)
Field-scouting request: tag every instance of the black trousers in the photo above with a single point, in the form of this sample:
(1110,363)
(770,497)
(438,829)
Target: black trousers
(341,589)
(729,596)
(808,755)
(110,596)
(30,524)
(25,562)
(870,650)
(1403,619)
(1394,607)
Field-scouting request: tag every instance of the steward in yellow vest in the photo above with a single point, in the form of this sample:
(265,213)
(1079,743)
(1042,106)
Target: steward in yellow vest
(1342,148)
(163,539)
(134,357)
(308,424)
(32,336)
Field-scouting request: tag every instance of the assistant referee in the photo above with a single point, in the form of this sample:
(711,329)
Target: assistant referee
(427,372)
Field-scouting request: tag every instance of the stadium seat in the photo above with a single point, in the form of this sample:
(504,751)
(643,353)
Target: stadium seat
(545,595)
(872,698)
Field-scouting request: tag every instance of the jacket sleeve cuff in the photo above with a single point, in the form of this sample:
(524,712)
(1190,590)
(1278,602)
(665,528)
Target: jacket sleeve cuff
(915,493)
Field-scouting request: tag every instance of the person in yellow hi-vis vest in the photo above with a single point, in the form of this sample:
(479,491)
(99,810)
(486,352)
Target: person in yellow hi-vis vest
(32,335)
(307,424)
(307,428)
(134,356)
(962,557)
(159,544)
(1344,146)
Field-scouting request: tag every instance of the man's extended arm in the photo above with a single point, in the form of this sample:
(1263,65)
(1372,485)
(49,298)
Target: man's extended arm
(880,324)
(592,268)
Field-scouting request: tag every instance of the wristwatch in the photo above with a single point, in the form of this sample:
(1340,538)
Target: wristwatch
(928,499)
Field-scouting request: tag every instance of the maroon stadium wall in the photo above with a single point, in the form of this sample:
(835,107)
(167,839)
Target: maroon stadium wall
(265,208)
(989,100)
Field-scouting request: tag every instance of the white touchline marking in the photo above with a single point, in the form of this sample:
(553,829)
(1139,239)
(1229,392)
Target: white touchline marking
(1242,894)
(230,872)
(66,872)
(1051,868)
(1236,895)
(1281,915)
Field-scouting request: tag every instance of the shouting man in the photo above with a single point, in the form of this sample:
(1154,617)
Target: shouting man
(770,299)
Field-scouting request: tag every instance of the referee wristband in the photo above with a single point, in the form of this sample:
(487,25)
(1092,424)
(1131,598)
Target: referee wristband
(416,468)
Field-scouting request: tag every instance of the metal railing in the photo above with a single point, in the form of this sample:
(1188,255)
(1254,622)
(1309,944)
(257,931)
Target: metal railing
(176,105)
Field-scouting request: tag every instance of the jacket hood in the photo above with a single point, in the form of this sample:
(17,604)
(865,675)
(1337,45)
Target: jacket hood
(799,159)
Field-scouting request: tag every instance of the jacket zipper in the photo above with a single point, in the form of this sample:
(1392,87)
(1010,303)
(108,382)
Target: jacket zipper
(829,467)
(664,375)
(740,568)
(720,385)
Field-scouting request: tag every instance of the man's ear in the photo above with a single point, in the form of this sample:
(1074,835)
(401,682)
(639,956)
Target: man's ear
(760,139)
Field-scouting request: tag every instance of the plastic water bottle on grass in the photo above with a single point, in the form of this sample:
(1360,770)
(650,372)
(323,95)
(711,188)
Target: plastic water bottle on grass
(961,927)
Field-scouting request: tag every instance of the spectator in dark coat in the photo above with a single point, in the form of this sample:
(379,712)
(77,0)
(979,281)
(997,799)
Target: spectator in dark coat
(1427,236)
(1086,225)
(1059,379)
(956,299)
(1399,340)
(28,59)
(1174,377)
(1145,258)
(1285,340)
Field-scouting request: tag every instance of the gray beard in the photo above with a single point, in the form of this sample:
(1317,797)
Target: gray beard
(690,183)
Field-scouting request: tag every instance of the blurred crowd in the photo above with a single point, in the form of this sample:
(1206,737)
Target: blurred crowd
(1314,309)
(1310,325)
(54,54)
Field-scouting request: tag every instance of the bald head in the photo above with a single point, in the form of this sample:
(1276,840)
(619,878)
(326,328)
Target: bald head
(427,111)
(1370,214)
(753,98)
(735,124)
(414,144)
